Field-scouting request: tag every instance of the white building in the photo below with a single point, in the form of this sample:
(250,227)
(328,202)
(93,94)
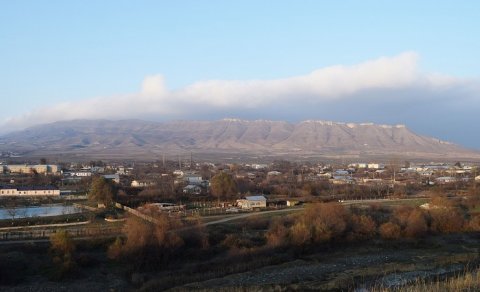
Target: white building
(193,179)
(252,202)
(79,173)
(259,166)
(375,166)
(26,168)
(142,184)
(29,191)
(274,173)
(358,165)
(445,180)
(192,190)
(178,172)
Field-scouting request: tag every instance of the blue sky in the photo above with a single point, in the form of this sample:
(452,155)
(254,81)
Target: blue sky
(68,59)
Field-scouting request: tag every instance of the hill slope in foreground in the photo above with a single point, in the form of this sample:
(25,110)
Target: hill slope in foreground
(136,138)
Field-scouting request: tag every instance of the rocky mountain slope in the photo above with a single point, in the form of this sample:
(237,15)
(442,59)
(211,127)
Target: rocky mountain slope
(135,137)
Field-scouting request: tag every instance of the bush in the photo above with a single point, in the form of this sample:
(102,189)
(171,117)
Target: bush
(446,220)
(277,233)
(416,224)
(400,216)
(362,227)
(390,230)
(114,251)
(318,223)
(474,223)
(234,241)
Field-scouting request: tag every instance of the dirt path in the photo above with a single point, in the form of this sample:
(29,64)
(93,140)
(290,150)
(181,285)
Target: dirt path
(241,216)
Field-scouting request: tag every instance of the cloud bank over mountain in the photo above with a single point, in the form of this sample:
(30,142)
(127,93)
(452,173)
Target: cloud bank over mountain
(384,90)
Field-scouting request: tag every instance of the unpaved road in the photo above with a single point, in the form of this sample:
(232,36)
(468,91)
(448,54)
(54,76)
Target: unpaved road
(345,203)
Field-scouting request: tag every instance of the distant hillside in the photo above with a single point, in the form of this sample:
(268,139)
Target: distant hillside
(132,138)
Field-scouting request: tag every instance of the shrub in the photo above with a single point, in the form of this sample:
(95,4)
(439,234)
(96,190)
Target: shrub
(474,223)
(115,249)
(318,223)
(400,216)
(416,224)
(446,220)
(277,233)
(362,227)
(62,248)
(390,230)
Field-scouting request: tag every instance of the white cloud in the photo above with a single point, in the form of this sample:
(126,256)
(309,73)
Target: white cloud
(326,85)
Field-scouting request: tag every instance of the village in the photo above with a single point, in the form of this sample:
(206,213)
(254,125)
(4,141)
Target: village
(248,186)
(160,215)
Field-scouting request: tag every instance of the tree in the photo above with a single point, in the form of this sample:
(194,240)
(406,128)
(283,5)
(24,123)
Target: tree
(149,244)
(62,248)
(223,186)
(101,191)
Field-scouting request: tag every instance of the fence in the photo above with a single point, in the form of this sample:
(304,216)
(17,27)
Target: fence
(137,213)
(46,233)
(211,211)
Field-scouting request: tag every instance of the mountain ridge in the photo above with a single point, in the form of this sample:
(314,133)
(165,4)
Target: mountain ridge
(265,137)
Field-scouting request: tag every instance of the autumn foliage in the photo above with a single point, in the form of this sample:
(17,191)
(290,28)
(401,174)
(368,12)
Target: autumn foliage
(326,222)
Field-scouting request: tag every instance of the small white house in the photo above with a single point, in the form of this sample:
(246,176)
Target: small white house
(178,172)
(375,166)
(445,180)
(193,179)
(192,190)
(252,202)
(142,184)
(274,173)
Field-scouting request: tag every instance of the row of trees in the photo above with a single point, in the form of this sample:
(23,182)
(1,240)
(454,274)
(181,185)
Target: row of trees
(325,222)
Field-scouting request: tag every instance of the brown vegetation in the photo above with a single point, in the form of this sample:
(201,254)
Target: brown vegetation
(362,227)
(223,186)
(390,230)
(101,191)
(62,248)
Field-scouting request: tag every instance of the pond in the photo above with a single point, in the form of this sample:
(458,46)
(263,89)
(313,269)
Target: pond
(37,211)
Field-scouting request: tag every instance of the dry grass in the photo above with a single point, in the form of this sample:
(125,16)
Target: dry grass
(468,281)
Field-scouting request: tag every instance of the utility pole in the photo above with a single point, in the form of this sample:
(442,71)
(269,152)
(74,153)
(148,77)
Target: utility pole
(474,181)
(191,160)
